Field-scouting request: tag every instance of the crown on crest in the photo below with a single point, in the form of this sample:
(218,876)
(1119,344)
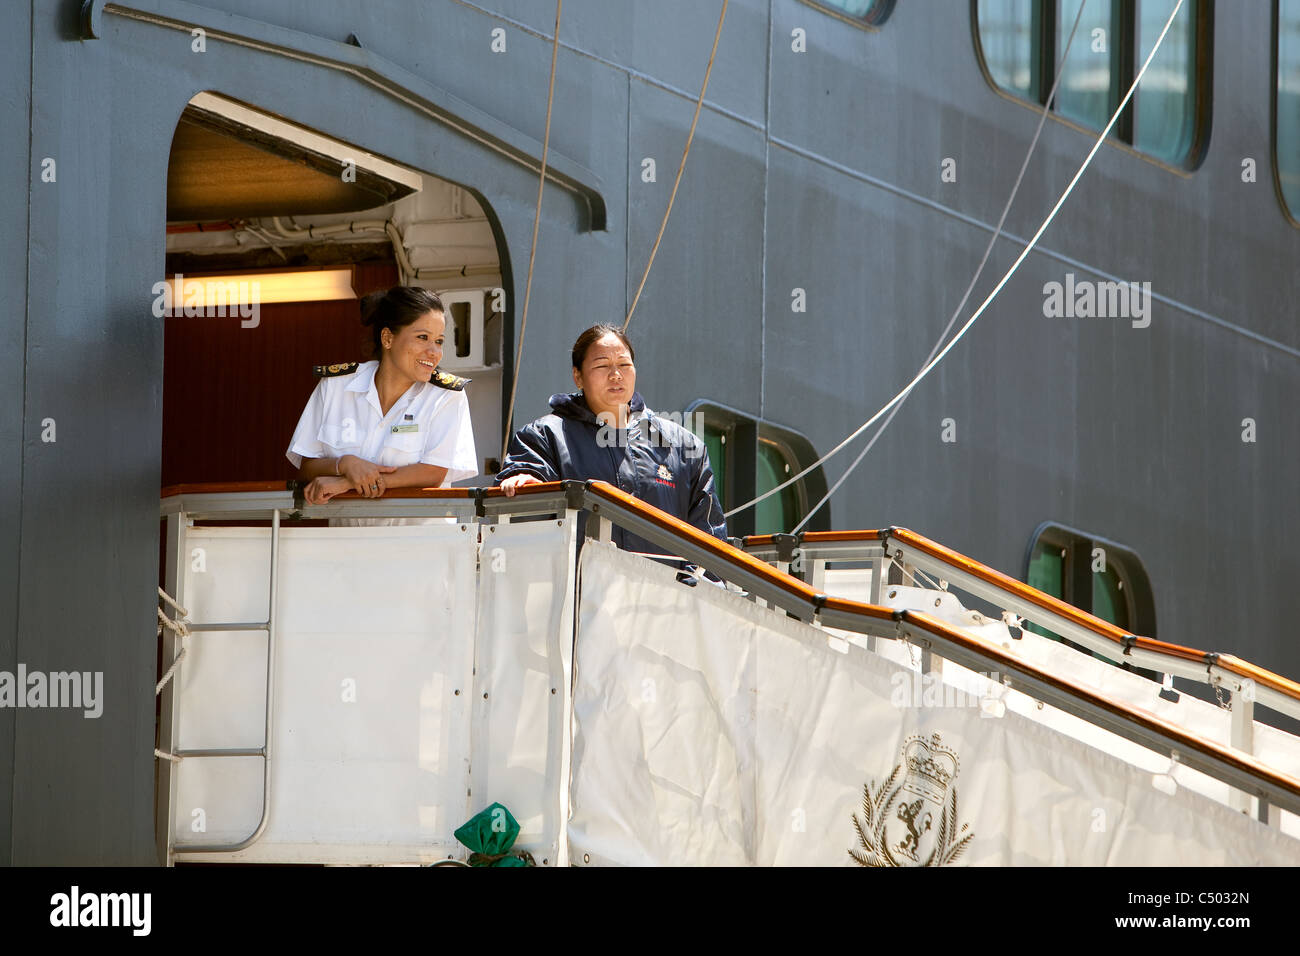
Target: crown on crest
(930,760)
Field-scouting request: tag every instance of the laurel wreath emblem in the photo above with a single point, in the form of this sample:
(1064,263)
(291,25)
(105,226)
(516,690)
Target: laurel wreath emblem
(950,842)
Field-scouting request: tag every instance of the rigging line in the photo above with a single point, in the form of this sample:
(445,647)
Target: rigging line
(979,271)
(1029,247)
(532,253)
(915,583)
(930,583)
(654,250)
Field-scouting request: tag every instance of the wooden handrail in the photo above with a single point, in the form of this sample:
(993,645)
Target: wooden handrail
(720,549)
(223,487)
(545,487)
(1259,675)
(237,487)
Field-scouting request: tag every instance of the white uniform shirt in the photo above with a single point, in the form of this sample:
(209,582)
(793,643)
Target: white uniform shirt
(428,425)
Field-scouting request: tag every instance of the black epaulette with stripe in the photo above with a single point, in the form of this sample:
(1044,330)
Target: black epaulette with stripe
(447,380)
(329,371)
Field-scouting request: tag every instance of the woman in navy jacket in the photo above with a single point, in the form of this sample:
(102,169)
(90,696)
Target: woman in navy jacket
(605,431)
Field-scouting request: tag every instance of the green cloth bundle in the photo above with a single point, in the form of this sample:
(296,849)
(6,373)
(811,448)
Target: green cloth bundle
(489,835)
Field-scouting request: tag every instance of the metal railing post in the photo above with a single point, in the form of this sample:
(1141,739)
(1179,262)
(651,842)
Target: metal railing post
(817,574)
(168,713)
(1243,738)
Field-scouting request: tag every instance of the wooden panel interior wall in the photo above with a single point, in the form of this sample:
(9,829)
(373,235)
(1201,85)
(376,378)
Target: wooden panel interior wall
(232,395)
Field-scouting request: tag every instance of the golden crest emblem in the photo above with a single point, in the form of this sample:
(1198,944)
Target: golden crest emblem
(913,822)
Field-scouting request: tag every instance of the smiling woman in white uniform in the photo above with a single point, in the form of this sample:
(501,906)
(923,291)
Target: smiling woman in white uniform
(397,422)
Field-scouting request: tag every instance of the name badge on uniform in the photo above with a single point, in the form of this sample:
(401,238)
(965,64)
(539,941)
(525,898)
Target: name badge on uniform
(405,429)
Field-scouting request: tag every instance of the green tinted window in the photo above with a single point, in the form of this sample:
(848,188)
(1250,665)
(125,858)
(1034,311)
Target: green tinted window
(715,440)
(1047,574)
(1101,577)
(779,513)
(768,456)
(1108,600)
(1288,103)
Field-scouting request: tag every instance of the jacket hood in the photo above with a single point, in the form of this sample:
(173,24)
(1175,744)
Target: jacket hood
(574,405)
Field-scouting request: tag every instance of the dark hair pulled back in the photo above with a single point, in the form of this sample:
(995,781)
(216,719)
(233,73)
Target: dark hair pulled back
(593,335)
(395,309)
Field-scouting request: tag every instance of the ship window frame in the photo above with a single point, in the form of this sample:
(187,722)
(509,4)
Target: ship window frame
(741,428)
(1125,58)
(871,20)
(1077,546)
(1292,216)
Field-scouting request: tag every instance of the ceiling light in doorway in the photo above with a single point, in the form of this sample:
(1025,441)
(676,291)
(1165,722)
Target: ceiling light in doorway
(185,294)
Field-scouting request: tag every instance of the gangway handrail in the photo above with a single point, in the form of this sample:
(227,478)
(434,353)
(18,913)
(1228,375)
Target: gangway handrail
(1229,765)
(1208,667)
(605,503)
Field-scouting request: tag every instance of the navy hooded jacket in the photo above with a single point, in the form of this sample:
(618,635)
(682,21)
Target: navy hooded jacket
(654,459)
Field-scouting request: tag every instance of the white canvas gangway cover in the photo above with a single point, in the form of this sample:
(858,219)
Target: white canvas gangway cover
(709,730)
(424,672)
(421,675)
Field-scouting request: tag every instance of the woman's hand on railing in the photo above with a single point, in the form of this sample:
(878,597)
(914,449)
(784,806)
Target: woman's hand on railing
(364,477)
(320,490)
(518,481)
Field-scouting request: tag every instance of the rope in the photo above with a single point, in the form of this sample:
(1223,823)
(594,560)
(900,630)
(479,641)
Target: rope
(537,221)
(680,167)
(932,584)
(168,598)
(979,271)
(170,671)
(912,575)
(166,756)
(180,628)
(1029,247)
(487,859)
(404,271)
